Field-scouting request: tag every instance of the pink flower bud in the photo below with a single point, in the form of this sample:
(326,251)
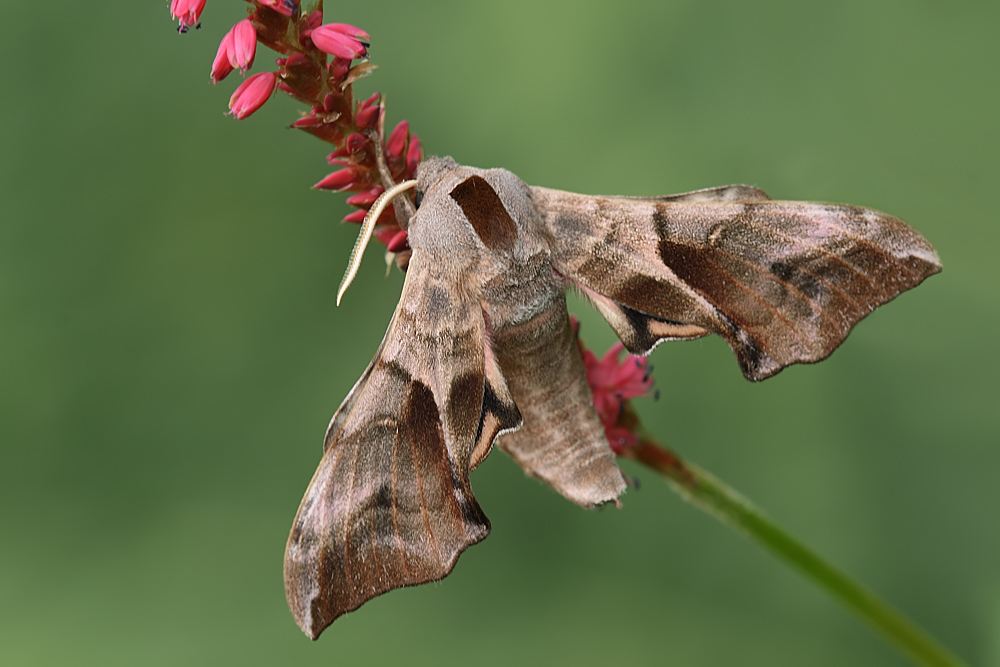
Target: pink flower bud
(314,20)
(357,216)
(328,102)
(338,180)
(221,66)
(284,7)
(413,155)
(349,30)
(356,143)
(329,39)
(252,94)
(187,12)
(399,242)
(340,152)
(242,45)
(397,140)
(365,199)
(367,112)
(339,67)
(308,121)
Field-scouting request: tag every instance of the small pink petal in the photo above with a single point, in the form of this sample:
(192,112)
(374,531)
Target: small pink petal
(252,94)
(221,66)
(399,242)
(329,40)
(413,155)
(349,30)
(397,140)
(243,45)
(365,199)
(356,142)
(338,180)
(284,7)
(356,216)
(187,12)
(314,20)
(366,117)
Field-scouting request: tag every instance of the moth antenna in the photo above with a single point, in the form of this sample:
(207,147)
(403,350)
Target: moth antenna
(367,227)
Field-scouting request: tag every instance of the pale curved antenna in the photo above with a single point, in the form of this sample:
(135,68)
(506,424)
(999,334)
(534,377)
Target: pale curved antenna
(367,227)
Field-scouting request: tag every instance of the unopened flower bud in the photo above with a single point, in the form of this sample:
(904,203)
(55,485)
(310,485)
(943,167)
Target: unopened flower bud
(338,180)
(414,154)
(333,39)
(243,45)
(397,140)
(221,67)
(365,199)
(187,12)
(284,7)
(252,94)
(399,242)
(356,142)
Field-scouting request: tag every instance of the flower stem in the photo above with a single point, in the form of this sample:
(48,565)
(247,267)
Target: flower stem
(713,496)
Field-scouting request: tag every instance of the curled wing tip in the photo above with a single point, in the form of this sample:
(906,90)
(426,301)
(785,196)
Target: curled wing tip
(314,610)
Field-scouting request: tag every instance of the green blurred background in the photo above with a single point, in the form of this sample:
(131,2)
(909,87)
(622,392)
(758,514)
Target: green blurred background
(170,353)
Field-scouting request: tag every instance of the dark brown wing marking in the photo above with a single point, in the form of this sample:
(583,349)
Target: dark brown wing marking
(486,213)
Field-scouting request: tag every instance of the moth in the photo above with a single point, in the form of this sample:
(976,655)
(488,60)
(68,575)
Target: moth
(480,350)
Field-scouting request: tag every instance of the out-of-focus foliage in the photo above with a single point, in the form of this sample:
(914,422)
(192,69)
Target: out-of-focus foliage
(170,352)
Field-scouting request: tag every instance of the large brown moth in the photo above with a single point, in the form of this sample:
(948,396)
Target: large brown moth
(481,346)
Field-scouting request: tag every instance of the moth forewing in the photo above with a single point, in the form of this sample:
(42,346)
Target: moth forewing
(391,504)
(783,282)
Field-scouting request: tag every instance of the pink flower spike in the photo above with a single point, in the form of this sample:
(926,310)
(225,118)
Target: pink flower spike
(221,67)
(397,140)
(338,180)
(252,94)
(187,12)
(284,7)
(329,40)
(243,45)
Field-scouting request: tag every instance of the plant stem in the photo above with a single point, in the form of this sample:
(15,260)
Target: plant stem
(707,493)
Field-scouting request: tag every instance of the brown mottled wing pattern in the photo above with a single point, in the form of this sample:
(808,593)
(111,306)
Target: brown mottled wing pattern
(782,282)
(391,504)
